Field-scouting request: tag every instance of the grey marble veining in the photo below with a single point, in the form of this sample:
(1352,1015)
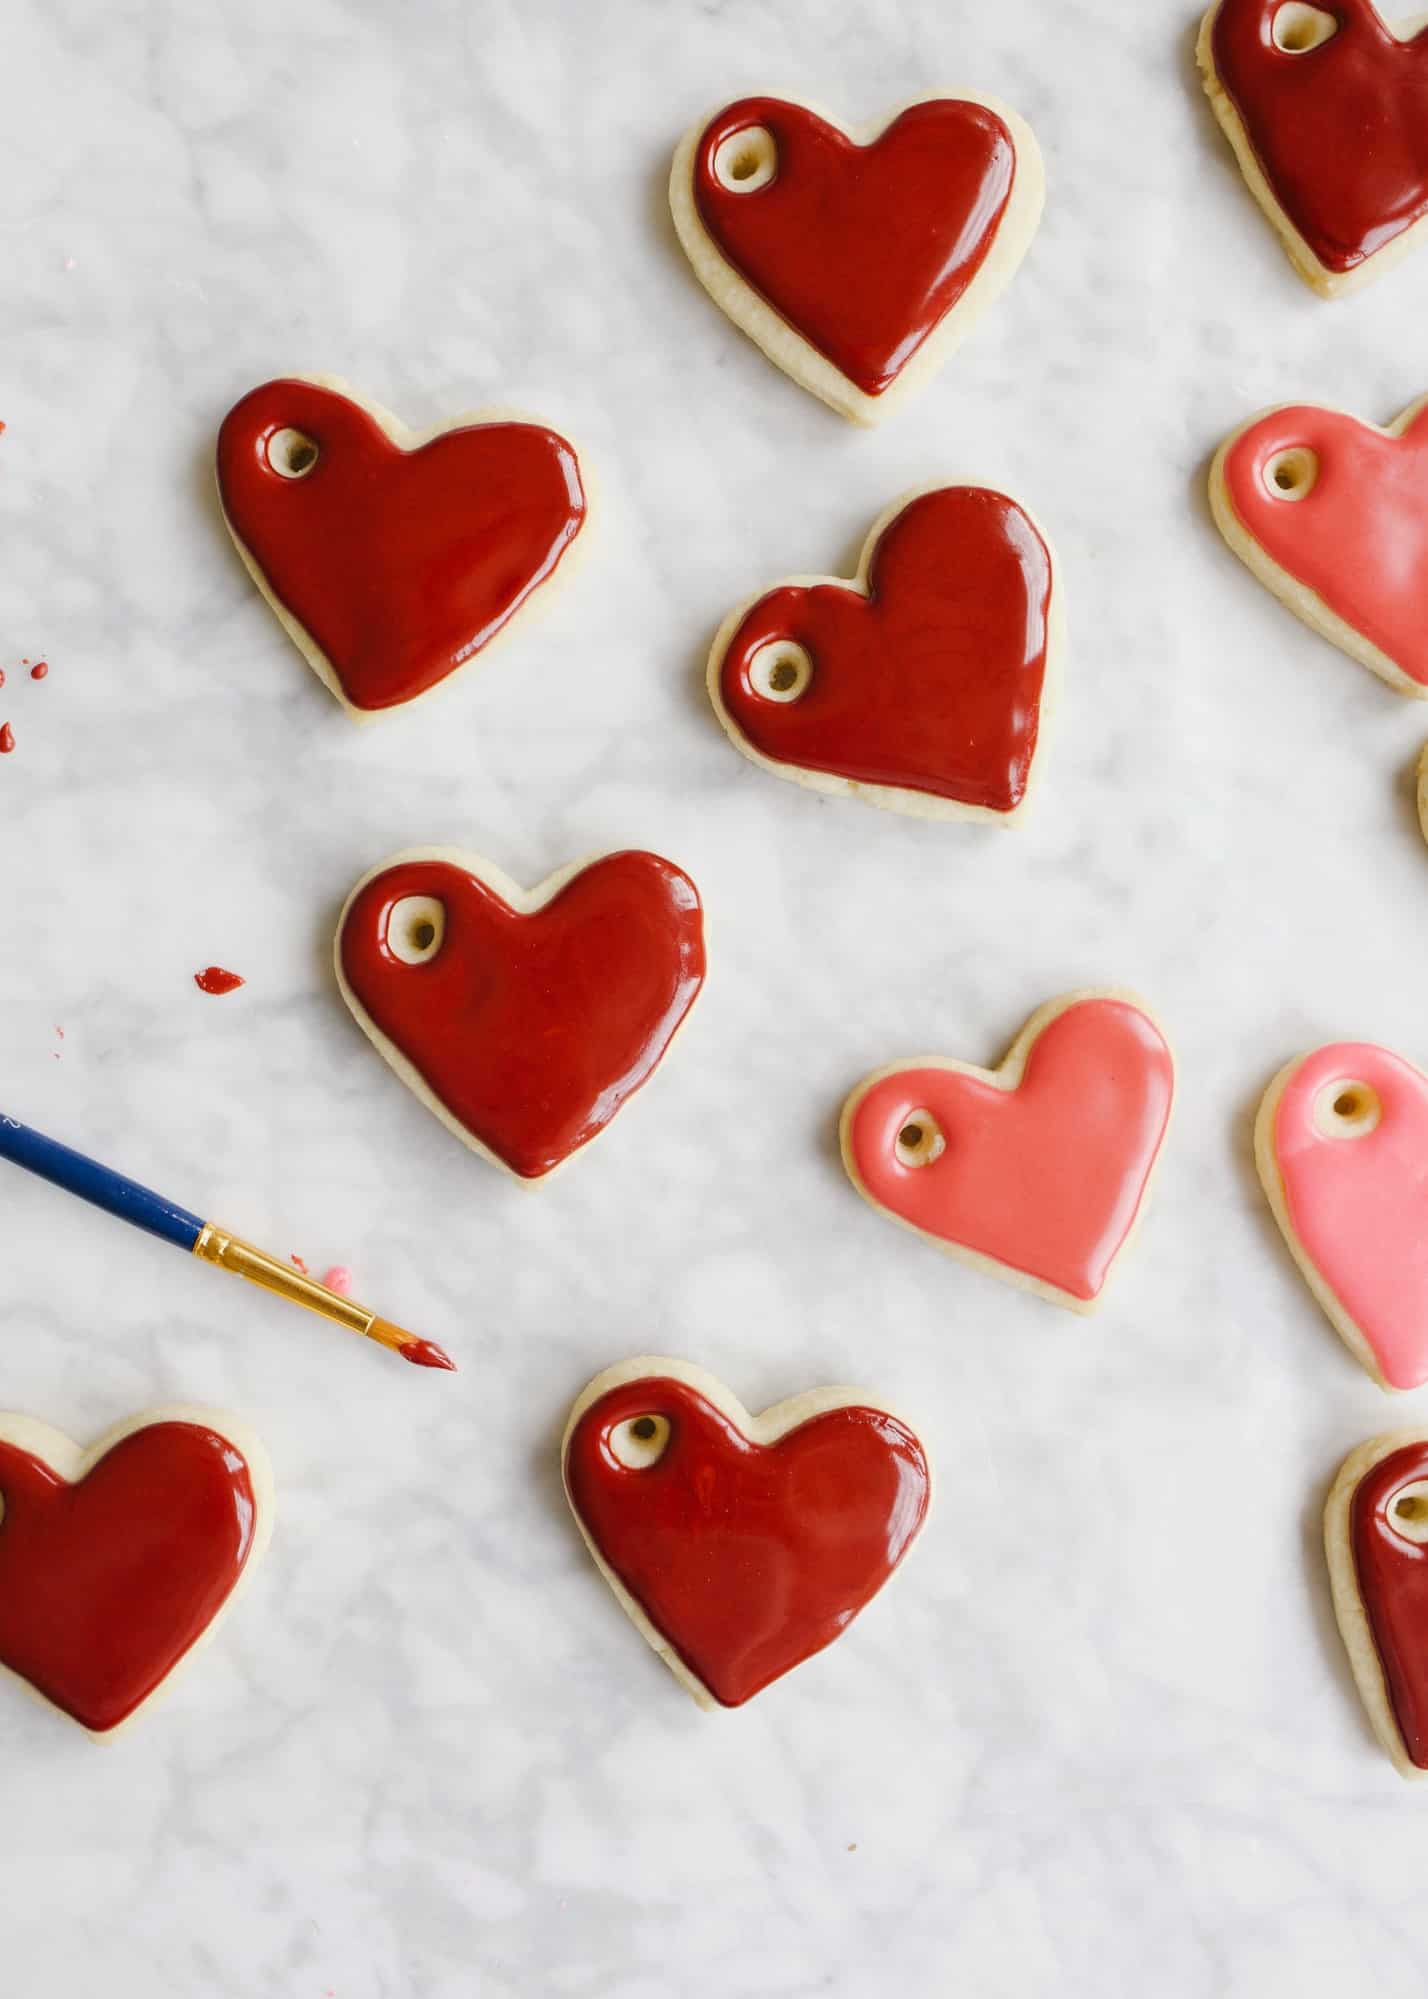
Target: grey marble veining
(1100,1737)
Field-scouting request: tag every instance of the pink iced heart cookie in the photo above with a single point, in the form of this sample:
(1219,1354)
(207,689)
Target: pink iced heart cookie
(1342,1148)
(1036,1171)
(1331,514)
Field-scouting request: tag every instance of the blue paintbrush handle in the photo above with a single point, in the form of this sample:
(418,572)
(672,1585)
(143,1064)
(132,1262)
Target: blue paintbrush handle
(96,1183)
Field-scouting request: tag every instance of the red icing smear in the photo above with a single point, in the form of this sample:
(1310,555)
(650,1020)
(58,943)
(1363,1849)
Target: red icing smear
(933,681)
(400,565)
(1340,131)
(532,1030)
(747,1558)
(216,980)
(1392,1574)
(426,1353)
(862,249)
(39,670)
(104,1585)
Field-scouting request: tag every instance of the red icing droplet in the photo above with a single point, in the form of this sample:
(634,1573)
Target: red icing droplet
(7,740)
(40,668)
(212,980)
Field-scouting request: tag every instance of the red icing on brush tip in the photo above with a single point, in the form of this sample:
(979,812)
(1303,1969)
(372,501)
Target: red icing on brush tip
(215,980)
(426,1353)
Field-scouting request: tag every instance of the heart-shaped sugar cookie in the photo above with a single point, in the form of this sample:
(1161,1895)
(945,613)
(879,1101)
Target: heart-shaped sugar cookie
(923,685)
(1327,110)
(117,1562)
(1341,1142)
(393,558)
(1376,1539)
(1036,1171)
(1331,514)
(523,1018)
(739,1545)
(857,260)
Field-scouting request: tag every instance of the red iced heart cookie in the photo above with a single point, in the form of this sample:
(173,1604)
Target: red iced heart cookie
(740,1545)
(1376,1538)
(923,684)
(1327,110)
(1341,1142)
(392,558)
(116,1562)
(857,261)
(1331,514)
(524,1019)
(1036,1171)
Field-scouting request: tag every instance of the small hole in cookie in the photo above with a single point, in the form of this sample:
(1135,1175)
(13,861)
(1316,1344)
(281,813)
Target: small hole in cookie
(1408,1512)
(416,926)
(920,1140)
(1299,28)
(291,453)
(640,1442)
(747,160)
(1290,475)
(780,670)
(1347,1109)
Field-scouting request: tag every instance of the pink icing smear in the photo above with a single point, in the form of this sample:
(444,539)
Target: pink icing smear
(339,1279)
(1047,1178)
(1359,1204)
(1358,538)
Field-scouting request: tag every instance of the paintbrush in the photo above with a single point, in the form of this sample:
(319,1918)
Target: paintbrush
(147,1210)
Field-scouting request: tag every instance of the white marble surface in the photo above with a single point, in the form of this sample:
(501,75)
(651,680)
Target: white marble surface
(1100,1738)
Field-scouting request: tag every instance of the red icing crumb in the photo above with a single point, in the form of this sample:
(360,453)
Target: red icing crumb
(7,740)
(39,669)
(339,1279)
(296,1261)
(2,429)
(214,979)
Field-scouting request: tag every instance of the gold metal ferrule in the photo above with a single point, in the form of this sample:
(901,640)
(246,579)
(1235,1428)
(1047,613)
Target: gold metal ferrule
(230,1252)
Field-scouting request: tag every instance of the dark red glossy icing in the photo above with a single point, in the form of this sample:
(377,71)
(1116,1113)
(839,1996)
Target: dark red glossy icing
(932,682)
(1340,131)
(7,740)
(532,1030)
(400,565)
(40,669)
(747,1557)
(214,979)
(106,1584)
(1392,1574)
(862,249)
(426,1353)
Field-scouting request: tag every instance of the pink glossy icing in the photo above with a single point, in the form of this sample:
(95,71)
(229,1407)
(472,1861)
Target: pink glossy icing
(1359,1205)
(1047,1178)
(1359,538)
